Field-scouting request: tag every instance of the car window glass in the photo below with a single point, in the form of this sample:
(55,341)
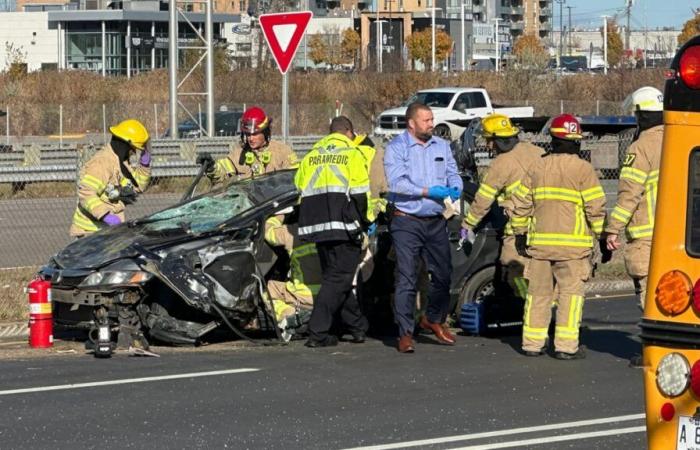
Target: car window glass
(204,213)
(432,99)
(476,100)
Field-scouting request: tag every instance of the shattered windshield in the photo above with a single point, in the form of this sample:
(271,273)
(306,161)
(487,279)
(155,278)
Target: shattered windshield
(432,99)
(207,212)
(202,214)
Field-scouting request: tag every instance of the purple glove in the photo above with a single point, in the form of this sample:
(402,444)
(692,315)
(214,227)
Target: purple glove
(112,220)
(145,159)
(467,235)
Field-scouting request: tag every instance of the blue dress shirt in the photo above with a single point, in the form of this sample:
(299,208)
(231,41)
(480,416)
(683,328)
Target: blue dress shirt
(411,166)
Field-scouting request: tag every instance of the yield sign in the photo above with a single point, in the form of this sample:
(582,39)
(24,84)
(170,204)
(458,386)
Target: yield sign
(283,33)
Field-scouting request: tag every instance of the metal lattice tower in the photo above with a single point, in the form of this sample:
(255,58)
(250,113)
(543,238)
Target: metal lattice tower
(207,56)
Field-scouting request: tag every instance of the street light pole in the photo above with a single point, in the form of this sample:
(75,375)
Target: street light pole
(463,50)
(498,63)
(561,30)
(432,40)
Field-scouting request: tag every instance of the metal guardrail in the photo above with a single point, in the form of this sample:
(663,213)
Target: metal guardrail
(61,164)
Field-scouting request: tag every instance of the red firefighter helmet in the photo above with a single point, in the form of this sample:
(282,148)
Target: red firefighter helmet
(566,127)
(254,121)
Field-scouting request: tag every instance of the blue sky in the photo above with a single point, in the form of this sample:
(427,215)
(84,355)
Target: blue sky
(658,13)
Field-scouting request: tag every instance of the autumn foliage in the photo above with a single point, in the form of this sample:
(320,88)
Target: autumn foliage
(420,46)
(690,29)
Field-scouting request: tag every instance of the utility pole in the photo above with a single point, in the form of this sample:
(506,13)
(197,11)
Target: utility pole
(561,30)
(498,63)
(605,45)
(568,35)
(461,2)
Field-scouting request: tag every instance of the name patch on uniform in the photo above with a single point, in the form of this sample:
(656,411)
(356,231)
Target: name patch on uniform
(328,159)
(629,159)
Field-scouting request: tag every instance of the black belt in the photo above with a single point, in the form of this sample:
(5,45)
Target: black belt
(398,213)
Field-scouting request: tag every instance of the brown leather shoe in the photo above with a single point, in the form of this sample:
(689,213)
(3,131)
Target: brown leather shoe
(442,333)
(406,344)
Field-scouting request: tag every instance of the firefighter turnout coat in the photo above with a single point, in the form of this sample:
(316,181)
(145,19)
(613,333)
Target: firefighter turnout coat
(636,193)
(566,203)
(275,156)
(99,178)
(333,179)
(504,176)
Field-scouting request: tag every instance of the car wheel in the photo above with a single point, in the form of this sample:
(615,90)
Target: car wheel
(477,288)
(443,131)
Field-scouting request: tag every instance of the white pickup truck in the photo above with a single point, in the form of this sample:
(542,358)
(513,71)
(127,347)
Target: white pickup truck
(448,104)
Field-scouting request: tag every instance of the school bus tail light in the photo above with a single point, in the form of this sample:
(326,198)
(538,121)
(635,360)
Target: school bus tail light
(673,375)
(690,67)
(673,293)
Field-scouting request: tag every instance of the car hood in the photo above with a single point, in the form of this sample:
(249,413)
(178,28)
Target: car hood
(99,249)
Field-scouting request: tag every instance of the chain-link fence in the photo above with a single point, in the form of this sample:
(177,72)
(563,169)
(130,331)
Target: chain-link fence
(38,180)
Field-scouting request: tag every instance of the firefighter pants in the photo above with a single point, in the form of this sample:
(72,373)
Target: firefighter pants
(339,261)
(513,266)
(569,277)
(285,302)
(637,263)
(415,239)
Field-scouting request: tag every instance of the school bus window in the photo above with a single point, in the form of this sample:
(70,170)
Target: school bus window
(693,231)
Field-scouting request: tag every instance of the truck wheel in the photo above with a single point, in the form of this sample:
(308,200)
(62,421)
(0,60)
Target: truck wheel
(443,131)
(477,288)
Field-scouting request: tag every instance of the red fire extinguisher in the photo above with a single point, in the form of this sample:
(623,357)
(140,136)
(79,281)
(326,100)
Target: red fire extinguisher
(40,317)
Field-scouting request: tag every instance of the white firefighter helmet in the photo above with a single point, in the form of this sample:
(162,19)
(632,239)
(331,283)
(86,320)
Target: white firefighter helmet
(646,98)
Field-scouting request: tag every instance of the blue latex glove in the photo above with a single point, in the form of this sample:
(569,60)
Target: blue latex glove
(372,229)
(455,193)
(439,192)
(112,220)
(145,159)
(467,235)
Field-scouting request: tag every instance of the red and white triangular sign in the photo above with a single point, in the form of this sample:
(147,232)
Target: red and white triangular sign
(283,33)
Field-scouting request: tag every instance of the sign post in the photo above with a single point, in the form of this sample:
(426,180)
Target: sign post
(283,33)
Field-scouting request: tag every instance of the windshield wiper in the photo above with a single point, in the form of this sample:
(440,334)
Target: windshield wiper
(136,222)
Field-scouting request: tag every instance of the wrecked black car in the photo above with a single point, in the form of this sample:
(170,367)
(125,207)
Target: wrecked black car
(202,265)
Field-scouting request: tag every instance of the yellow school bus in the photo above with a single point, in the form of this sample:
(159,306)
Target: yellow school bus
(671,322)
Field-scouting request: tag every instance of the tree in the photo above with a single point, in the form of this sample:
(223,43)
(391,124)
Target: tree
(420,45)
(15,60)
(615,46)
(530,51)
(350,45)
(690,29)
(318,49)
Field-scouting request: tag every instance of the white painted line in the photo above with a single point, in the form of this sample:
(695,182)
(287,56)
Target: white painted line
(501,433)
(552,439)
(62,387)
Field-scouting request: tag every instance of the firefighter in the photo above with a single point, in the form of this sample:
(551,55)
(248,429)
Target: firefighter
(636,196)
(293,298)
(334,212)
(566,203)
(108,183)
(513,161)
(257,154)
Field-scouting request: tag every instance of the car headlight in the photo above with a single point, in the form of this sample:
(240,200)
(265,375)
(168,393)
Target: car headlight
(115,278)
(673,374)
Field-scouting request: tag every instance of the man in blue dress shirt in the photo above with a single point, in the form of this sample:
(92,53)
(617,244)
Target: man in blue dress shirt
(421,173)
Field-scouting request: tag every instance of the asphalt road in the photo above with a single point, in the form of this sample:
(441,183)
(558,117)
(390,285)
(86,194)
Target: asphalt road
(479,394)
(34,229)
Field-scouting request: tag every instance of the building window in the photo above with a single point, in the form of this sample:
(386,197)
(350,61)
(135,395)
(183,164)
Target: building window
(242,3)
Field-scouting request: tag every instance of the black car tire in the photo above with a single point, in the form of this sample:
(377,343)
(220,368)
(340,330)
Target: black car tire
(443,131)
(478,286)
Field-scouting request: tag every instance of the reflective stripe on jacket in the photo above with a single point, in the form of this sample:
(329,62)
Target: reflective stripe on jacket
(503,177)
(566,202)
(334,182)
(637,188)
(304,264)
(276,156)
(98,178)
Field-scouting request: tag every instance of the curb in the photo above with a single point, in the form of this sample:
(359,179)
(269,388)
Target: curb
(21,329)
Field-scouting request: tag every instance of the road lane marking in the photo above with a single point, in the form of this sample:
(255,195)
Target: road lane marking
(62,387)
(552,439)
(488,434)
